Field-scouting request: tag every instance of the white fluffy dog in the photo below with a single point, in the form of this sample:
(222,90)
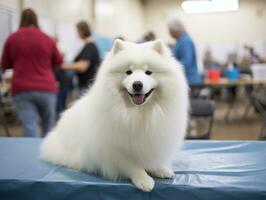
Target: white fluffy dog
(132,121)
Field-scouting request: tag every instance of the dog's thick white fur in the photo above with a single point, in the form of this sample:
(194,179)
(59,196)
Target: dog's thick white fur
(123,131)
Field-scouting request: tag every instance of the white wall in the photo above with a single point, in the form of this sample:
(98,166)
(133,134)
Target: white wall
(112,17)
(131,19)
(246,25)
(221,32)
(8,19)
(54,12)
(67,11)
(11,4)
(122,18)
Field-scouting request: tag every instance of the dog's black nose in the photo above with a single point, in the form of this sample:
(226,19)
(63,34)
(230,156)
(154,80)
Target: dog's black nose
(137,86)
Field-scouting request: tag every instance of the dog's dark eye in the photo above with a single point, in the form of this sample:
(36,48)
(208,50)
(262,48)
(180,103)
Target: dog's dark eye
(148,72)
(128,72)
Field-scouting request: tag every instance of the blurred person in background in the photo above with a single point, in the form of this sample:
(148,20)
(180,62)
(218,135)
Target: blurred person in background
(253,56)
(120,38)
(32,54)
(65,84)
(184,51)
(150,36)
(86,62)
(208,59)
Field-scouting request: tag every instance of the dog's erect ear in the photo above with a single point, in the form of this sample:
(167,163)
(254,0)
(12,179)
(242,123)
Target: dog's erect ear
(118,46)
(158,46)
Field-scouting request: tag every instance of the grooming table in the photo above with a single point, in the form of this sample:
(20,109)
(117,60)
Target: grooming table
(203,170)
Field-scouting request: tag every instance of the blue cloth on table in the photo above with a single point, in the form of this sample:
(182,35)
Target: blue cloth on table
(203,170)
(184,51)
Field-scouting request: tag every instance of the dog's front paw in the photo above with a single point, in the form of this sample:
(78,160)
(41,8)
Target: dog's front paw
(144,183)
(163,173)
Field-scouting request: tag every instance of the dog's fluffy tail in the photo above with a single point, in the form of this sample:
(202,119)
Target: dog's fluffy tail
(51,148)
(55,151)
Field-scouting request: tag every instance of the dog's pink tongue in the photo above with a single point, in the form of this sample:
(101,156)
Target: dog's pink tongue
(138,98)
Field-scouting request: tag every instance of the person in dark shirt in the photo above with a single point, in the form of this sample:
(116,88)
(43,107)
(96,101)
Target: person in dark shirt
(87,61)
(32,55)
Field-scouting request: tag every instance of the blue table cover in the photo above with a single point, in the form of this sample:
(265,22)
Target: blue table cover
(203,170)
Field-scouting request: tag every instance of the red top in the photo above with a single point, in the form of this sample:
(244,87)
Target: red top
(33,55)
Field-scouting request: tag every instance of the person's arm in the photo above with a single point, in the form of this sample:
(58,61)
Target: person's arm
(6,60)
(79,66)
(57,58)
(83,62)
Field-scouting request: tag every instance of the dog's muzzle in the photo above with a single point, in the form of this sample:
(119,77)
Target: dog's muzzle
(139,98)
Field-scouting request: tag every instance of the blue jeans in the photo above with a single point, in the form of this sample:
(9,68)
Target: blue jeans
(65,79)
(32,107)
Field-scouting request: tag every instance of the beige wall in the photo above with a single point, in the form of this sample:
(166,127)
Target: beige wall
(246,25)
(125,18)
(131,19)
(222,32)
(12,4)
(53,12)
(67,11)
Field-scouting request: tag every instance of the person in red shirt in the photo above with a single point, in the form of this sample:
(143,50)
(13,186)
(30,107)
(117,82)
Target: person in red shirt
(32,54)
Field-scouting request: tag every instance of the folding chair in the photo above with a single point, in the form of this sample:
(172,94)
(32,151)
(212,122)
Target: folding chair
(202,111)
(3,117)
(259,103)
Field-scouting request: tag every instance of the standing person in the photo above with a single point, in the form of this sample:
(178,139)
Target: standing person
(150,36)
(32,55)
(65,85)
(86,62)
(184,51)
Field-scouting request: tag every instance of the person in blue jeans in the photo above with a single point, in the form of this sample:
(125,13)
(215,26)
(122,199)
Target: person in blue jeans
(32,55)
(34,107)
(184,51)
